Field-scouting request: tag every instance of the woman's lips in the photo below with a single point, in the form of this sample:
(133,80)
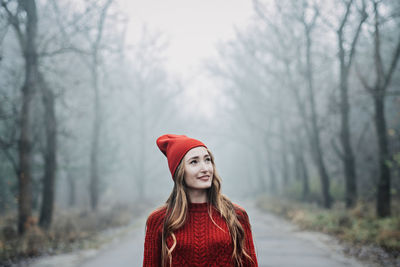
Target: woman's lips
(204,178)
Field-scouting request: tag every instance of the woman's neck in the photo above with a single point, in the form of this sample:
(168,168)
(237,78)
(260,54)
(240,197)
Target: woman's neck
(197,195)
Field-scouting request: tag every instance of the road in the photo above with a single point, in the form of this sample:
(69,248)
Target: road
(278,243)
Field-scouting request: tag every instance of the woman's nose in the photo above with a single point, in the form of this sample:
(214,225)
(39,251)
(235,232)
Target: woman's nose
(204,166)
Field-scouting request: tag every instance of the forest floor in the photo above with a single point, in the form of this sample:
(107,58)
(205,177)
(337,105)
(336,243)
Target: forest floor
(278,243)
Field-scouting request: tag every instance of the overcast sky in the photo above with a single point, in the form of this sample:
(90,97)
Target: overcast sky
(193,27)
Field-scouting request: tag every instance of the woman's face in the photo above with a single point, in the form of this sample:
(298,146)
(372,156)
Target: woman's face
(199,169)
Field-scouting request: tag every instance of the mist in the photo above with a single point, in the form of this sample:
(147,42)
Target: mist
(297,100)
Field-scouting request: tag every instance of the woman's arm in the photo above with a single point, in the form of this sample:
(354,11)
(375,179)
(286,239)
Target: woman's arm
(152,241)
(249,244)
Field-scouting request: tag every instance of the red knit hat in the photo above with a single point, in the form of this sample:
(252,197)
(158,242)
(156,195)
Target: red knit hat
(175,147)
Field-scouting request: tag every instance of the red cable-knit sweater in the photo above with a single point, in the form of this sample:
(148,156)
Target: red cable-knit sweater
(199,242)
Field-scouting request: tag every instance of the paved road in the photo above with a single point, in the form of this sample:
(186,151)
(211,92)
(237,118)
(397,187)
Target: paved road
(278,243)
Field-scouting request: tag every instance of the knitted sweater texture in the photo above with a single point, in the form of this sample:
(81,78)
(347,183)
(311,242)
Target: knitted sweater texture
(199,242)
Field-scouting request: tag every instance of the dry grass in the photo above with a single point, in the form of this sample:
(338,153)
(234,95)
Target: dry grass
(70,230)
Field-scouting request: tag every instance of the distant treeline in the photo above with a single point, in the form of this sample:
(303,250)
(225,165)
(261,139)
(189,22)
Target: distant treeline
(314,92)
(76,106)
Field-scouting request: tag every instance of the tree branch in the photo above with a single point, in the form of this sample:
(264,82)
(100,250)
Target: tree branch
(393,64)
(360,139)
(101,24)
(14,21)
(5,147)
(364,16)
(63,50)
(338,152)
(364,81)
(377,46)
(344,20)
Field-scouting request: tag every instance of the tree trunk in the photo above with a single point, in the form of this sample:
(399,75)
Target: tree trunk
(94,186)
(94,173)
(378,93)
(318,154)
(301,167)
(273,186)
(46,213)
(324,181)
(285,164)
(141,159)
(262,187)
(383,194)
(306,186)
(25,142)
(3,197)
(72,190)
(24,175)
(348,155)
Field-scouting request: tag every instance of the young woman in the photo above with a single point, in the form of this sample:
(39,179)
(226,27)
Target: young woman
(197,226)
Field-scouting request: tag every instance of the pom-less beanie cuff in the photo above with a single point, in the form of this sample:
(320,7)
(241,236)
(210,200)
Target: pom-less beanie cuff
(175,147)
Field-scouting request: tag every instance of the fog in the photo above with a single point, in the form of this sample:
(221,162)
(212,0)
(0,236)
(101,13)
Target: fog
(288,96)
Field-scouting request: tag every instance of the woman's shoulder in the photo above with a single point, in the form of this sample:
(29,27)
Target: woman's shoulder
(156,217)
(240,212)
(238,208)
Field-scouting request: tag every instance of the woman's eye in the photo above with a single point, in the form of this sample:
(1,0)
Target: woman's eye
(193,162)
(208,159)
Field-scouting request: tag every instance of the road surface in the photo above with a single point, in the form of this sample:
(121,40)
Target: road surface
(278,243)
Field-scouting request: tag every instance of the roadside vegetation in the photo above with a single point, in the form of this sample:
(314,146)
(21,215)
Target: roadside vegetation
(71,230)
(362,233)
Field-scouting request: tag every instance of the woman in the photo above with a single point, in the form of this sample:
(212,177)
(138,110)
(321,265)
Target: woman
(198,226)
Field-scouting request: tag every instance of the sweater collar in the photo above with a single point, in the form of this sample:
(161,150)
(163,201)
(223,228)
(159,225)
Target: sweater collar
(198,207)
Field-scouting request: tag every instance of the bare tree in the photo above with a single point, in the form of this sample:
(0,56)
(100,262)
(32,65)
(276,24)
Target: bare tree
(9,111)
(248,92)
(306,16)
(378,92)
(27,40)
(50,155)
(89,32)
(318,154)
(346,59)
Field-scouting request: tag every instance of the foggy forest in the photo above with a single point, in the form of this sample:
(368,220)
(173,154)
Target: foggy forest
(299,104)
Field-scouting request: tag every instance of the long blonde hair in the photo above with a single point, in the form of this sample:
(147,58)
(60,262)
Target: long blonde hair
(176,211)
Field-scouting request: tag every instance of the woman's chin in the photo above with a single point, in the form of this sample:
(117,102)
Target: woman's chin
(201,185)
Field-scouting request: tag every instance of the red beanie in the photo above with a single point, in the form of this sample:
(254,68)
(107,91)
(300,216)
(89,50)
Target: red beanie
(175,147)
